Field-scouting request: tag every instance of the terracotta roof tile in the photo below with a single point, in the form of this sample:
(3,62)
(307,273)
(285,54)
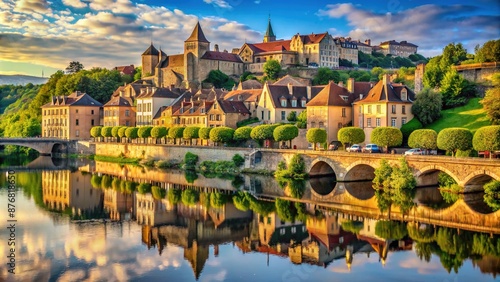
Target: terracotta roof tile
(248,95)
(249,84)
(281,45)
(331,95)
(221,56)
(233,107)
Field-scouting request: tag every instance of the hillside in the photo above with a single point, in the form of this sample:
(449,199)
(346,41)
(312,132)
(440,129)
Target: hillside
(21,79)
(471,116)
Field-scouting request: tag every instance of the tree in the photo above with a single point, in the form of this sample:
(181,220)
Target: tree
(286,132)
(489,52)
(176,132)
(31,127)
(272,68)
(316,135)
(351,135)
(190,197)
(204,133)
(219,79)
(427,106)
(409,127)
(487,138)
(74,67)
(286,210)
(174,196)
(292,116)
(386,137)
(238,160)
(144,132)
(218,200)
(433,73)
(138,73)
(106,131)
(131,132)
(158,193)
(492,194)
(326,75)
(114,131)
(242,133)
(453,139)
(453,54)
(302,119)
(122,132)
(491,101)
(240,201)
(382,175)
(263,132)
(221,134)
(191,132)
(453,87)
(159,132)
(423,138)
(96,131)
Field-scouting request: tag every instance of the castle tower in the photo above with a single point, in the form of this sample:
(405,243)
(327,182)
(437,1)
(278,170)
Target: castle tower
(269,36)
(149,61)
(194,48)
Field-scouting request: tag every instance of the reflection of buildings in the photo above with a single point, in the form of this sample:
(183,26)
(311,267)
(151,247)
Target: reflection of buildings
(67,191)
(274,231)
(118,205)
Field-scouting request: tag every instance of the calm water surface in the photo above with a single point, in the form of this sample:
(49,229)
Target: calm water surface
(68,230)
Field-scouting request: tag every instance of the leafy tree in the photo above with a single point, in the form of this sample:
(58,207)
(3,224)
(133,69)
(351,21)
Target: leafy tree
(130,187)
(386,137)
(221,134)
(427,106)
(489,52)
(218,200)
(158,193)
(453,139)
(144,132)
(378,72)
(423,138)
(351,135)
(487,138)
(190,175)
(121,131)
(107,131)
(238,160)
(131,132)
(272,68)
(453,54)
(219,79)
(292,116)
(491,101)
(242,133)
(190,197)
(286,210)
(114,131)
(302,119)
(240,201)
(382,175)
(204,133)
(191,132)
(144,188)
(492,194)
(138,73)
(409,127)
(176,132)
(31,127)
(174,196)
(263,132)
(316,135)
(190,160)
(95,181)
(159,132)
(388,229)
(286,132)
(74,67)
(325,75)
(345,63)
(453,87)
(96,131)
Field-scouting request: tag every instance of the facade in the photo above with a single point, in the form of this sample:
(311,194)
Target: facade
(191,67)
(150,100)
(401,49)
(255,55)
(71,117)
(227,113)
(316,48)
(365,47)
(348,49)
(126,70)
(119,110)
(387,104)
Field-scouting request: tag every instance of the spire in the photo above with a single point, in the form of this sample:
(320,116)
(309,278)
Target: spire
(151,50)
(269,36)
(197,34)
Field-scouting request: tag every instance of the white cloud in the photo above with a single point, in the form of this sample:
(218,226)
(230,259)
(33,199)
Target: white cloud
(219,3)
(74,3)
(30,6)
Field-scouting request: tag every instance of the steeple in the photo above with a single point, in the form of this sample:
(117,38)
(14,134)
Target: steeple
(151,51)
(269,36)
(197,34)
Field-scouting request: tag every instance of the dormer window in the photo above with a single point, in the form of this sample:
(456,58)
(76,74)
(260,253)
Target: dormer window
(191,110)
(202,110)
(404,95)
(345,98)
(294,103)
(215,106)
(303,103)
(283,101)
(182,110)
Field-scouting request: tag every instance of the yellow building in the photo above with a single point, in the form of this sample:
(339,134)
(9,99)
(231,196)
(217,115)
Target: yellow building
(320,49)
(348,49)
(70,117)
(227,113)
(400,49)
(387,104)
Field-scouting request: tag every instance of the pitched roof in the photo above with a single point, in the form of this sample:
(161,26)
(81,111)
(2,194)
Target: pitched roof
(221,56)
(119,101)
(389,92)
(394,42)
(313,38)
(237,107)
(197,34)
(362,87)
(126,69)
(249,84)
(288,79)
(162,92)
(76,98)
(279,92)
(158,113)
(273,46)
(245,95)
(151,51)
(269,31)
(210,94)
(331,95)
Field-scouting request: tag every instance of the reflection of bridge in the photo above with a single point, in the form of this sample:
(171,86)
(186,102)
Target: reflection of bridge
(45,146)
(471,173)
(40,164)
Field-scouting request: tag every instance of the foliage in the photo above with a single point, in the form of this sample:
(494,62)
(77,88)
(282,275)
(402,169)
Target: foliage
(240,201)
(263,132)
(294,170)
(238,160)
(454,89)
(433,73)
(408,128)
(96,131)
(95,181)
(159,132)
(74,67)
(221,134)
(325,75)
(351,135)
(345,63)
(285,132)
(176,132)
(292,116)
(158,193)
(316,135)
(389,229)
(302,119)
(427,106)
(218,200)
(421,233)
(272,68)
(219,79)
(453,139)
(247,121)
(471,116)
(174,196)
(492,194)
(382,175)
(190,160)
(138,73)
(489,52)
(122,131)
(119,159)
(191,132)
(423,138)
(131,132)
(218,167)
(190,197)
(106,131)
(114,131)
(491,101)
(190,175)
(144,131)
(106,182)
(286,210)
(204,133)
(242,133)
(487,138)
(386,137)
(144,188)
(352,226)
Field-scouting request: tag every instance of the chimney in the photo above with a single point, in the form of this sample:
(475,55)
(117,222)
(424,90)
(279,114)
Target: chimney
(122,93)
(308,88)
(386,78)
(368,42)
(360,96)
(290,89)
(350,85)
(341,83)
(216,47)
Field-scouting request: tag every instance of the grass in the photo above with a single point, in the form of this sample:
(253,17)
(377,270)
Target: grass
(471,116)
(120,160)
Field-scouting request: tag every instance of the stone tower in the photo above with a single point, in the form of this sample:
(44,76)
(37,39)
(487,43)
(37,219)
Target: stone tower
(149,61)
(269,36)
(194,48)
(419,78)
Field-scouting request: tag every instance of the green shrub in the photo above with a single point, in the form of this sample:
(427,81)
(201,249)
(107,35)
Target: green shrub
(221,134)
(247,121)
(144,131)
(190,197)
(174,196)
(492,194)
(167,164)
(159,132)
(487,138)
(131,132)
(122,131)
(95,181)
(351,135)
(240,201)
(144,188)
(238,160)
(158,193)
(386,137)
(190,160)
(316,135)
(408,128)
(176,132)
(191,132)
(96,131)
(242,133)
(218,200)
(453,139)
(423,138)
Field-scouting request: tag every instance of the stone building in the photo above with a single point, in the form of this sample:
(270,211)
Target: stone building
(419,78)
(119,110)
(348,49)
(71,117)
(401,49)
(150,100)
(320,49)
(191,67)
(365,47)
(227,113)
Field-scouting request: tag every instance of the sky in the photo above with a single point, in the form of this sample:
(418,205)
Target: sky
(41,36)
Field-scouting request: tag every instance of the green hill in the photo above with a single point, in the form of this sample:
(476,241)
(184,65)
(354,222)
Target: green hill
(471,116)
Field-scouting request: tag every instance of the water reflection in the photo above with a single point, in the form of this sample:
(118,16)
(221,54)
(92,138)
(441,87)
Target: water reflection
(186,229)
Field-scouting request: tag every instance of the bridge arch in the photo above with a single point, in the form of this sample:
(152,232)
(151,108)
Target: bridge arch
(322,166)
(360,171)
(428,176)
(476,180)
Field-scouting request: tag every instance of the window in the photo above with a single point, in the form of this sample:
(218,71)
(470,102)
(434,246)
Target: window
(269,115)
(139,107)
(321,124)
(403,121)
(369,122)
(282,231)
(404,95)
(127,113)
(283,115)
(304,103)
(377,122)
(393,122)
(283,102)
(77,111)
(404,110)
(268,220)
(262,118)
(294,229)
(218,117)
(379,109)
(369,109)
(127,123)
(294,103)
(77,133)
(92,112)
(92,122)
(393,109)
(77,122)
(215,106)
(343,112)
(313,124)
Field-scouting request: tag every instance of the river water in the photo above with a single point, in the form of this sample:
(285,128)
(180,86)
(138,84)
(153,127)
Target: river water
(95,222)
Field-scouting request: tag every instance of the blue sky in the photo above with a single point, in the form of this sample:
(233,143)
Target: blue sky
(42,35)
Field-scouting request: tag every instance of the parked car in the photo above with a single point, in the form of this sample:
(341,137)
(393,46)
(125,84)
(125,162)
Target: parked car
(415,151)
(354,148)
(334,145)
(371,148)
(313,65)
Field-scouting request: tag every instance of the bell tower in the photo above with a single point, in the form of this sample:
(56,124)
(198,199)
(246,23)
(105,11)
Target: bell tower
(269,36)
(194,48)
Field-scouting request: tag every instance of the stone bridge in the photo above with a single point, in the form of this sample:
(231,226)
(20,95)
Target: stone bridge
(471,173)
(45,146)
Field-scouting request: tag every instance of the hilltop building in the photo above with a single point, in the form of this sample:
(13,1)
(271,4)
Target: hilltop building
(402,49)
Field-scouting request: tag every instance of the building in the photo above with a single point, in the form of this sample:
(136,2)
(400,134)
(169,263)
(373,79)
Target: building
(320,49)
(191,67)
(119,110)
(150,100)
(400,49)
(70,117)
(387,104)
(348,49)
(365,47)
(227,113)
(126,70)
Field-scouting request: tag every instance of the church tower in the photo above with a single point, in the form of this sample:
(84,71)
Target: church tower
(149,61)
(194,48)
(269,36)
